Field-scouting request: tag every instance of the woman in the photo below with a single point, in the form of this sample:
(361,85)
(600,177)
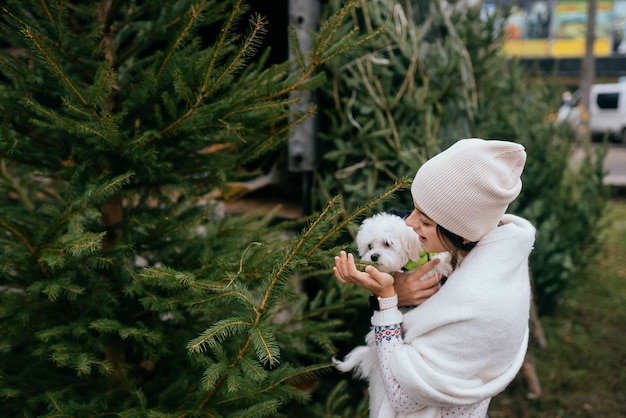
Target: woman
(467,339)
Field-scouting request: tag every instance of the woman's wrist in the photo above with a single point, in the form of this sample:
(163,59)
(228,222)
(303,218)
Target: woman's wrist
(387,317)
(386,293)
(378,303)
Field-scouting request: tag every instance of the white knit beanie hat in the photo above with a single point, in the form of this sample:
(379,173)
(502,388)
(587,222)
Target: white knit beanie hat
(467,188)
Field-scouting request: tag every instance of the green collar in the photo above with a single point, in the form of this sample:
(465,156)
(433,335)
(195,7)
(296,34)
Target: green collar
(413,264)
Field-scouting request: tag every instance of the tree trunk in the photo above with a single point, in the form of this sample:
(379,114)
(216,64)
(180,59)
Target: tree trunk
(589,62)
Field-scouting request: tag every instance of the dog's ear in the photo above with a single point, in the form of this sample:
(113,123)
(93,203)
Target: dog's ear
(411,244)
(362,248)
(363,238)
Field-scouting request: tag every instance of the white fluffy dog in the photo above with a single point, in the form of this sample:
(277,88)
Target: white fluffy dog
(385,240)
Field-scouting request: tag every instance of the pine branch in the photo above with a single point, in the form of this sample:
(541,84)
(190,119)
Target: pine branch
(48,13)
(44,51)
(249,46)
(235,63)
(103,82)
(400,184)
(288,376)
(276,138)
(297,50)
(14,231)
(264,346)
(225,32)
(110,208)
(329,29)
(169,275)
(264,105)
(12,183)
(327,49)
(53,116)
(194,15)
(261,409)
(218,332)
(467,70)
(386,108)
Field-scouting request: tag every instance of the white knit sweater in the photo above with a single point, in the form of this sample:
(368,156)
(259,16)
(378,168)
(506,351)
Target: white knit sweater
(468,341)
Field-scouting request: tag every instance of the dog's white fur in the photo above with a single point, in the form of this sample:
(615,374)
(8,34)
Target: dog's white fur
(385,240)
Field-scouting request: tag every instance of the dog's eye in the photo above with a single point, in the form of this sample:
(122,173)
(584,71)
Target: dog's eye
(369,246)
(387,244)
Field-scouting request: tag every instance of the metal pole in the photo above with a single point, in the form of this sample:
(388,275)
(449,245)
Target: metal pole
(304,16)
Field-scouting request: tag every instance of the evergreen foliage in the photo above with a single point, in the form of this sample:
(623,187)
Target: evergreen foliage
(125,289)
(436,75)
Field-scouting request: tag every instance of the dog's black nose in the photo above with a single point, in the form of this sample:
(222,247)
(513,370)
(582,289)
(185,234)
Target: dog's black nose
(374,257)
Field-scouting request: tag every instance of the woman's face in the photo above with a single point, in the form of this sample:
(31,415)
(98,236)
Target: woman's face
(426,228)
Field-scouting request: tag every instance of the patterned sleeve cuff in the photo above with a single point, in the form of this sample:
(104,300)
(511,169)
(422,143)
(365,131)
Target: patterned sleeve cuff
(387,317)
(385,334)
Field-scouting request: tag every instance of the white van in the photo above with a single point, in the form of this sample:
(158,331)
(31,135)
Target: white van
(607,110)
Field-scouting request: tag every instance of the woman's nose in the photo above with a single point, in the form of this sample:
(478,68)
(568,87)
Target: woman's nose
(409,221)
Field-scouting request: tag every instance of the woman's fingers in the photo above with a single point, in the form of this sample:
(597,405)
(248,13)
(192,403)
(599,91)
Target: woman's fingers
(338,275)
(379,278)
(427,267)
(412,290)
(345,271)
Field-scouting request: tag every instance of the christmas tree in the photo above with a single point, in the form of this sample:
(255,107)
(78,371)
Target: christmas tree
(125,288)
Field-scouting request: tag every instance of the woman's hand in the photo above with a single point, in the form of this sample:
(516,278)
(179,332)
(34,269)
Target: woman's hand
(377,282)
(411,289)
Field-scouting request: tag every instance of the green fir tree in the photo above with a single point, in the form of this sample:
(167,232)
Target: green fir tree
(125,288)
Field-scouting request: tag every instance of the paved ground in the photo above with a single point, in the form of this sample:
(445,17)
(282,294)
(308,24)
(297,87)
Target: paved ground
(615,164)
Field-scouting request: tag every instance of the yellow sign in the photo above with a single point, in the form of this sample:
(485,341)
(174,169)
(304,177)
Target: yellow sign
(560,31)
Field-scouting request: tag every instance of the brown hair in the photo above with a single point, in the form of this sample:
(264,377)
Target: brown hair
(456,244)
